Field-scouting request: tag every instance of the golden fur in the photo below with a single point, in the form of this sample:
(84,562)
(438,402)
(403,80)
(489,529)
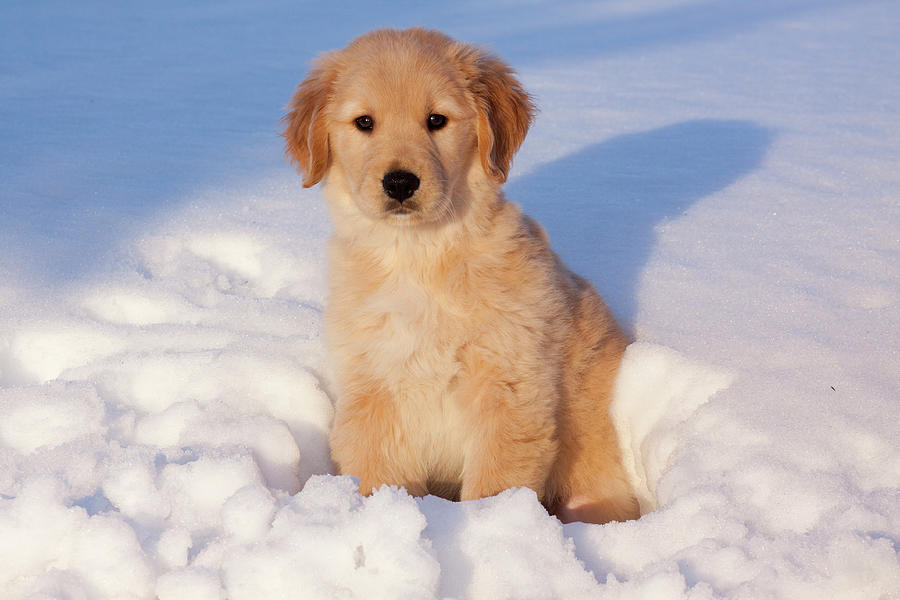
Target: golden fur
(468,358)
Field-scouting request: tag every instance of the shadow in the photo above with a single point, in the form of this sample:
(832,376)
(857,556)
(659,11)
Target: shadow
(601,204)
(452,520)
(95,504)
(881,535)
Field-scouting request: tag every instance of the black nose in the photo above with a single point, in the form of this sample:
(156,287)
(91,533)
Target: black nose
(400,185)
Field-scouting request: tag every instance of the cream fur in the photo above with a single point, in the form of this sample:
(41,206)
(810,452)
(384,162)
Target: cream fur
(468,358)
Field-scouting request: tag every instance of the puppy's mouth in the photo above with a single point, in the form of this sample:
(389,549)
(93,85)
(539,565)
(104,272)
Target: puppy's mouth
(396,208)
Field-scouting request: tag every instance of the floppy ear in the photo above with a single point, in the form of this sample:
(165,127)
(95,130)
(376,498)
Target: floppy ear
(306,135)
(505,112)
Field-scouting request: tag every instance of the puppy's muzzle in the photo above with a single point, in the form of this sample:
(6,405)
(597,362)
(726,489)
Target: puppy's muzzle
(400,185)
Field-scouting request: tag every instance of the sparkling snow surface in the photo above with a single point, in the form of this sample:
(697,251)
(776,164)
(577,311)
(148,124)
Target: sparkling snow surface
(726,173)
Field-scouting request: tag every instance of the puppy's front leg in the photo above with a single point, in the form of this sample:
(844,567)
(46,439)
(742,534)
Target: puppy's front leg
(513,441)
(368,441)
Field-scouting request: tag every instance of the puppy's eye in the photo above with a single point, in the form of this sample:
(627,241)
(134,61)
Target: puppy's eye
(364,123)
(436,121)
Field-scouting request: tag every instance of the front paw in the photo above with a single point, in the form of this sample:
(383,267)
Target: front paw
(369,485)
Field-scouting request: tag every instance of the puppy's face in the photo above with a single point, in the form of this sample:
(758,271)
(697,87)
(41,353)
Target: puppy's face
(399,119)
(402,135)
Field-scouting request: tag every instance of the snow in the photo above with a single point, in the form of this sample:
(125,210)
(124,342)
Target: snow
(725,173)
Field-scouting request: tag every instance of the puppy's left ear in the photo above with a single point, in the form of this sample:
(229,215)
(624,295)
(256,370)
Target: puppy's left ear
(505,112)
(306,134)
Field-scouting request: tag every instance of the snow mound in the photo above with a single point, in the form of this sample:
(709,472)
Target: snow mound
(656,390)
(344,545)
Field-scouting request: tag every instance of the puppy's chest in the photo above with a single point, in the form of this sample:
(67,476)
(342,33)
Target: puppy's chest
(403,330)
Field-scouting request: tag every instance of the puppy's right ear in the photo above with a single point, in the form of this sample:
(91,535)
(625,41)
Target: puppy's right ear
(306,134)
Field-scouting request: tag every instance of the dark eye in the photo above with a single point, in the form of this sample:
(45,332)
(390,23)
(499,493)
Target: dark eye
(364,123)
(436,122)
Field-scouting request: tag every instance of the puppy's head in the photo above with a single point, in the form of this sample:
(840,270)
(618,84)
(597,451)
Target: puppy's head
(400,120)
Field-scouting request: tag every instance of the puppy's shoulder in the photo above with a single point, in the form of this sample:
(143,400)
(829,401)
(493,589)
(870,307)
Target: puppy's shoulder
(518,256)
(516,231)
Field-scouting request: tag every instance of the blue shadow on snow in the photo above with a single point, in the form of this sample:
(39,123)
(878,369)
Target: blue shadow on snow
(601,204)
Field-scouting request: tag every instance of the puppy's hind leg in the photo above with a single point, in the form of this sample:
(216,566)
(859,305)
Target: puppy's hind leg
(589,482)
(612,503)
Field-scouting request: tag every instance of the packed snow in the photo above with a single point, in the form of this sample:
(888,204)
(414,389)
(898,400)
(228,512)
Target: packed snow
(725,173)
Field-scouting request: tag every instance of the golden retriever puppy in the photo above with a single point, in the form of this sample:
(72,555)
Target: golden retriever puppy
(468,359)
